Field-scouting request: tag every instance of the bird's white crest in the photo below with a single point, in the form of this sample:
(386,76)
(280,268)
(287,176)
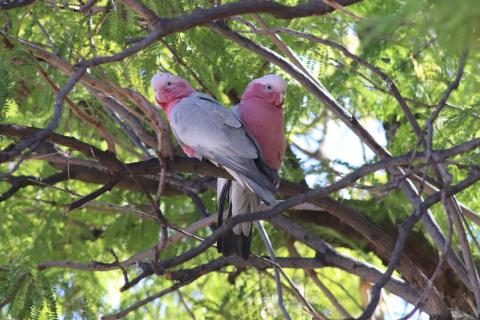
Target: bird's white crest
(274,80)
(161,79)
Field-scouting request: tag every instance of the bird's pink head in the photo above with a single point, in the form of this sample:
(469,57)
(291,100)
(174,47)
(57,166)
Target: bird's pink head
(169,88)
(270,87)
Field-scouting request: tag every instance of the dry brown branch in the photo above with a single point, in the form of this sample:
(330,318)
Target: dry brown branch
(95,123)
(105,89)
(334,4)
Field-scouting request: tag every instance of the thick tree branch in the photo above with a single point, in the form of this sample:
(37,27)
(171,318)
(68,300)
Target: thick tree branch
(107,158)
(93,195)
(329,258)
(202,16)
(18,183)
(12,4)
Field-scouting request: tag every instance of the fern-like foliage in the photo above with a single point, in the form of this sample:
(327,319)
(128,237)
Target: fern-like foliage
(79,308)
(26,292)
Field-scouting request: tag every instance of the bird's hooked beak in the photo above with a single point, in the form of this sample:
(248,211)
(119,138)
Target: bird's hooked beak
(280,100)
(161,102)
(158,97)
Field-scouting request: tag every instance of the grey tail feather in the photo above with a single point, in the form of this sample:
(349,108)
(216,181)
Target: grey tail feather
(231,244)
(224,197)
(239,245)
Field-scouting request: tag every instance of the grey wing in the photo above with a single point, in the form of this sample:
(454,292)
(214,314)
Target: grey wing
(218,135)
(230,119)
(209,128)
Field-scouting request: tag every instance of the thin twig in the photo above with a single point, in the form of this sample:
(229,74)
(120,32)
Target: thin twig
(185,305)
(268,245)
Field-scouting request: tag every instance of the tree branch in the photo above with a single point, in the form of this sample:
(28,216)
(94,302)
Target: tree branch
(12,4)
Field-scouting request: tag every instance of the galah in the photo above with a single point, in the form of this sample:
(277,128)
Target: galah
(206,129)
(260,110)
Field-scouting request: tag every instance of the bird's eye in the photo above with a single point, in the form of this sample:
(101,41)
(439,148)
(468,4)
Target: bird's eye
(269,87)
(169,83)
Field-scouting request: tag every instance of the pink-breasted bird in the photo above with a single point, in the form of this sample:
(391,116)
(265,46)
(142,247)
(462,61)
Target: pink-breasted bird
(206,129)
(260,110)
